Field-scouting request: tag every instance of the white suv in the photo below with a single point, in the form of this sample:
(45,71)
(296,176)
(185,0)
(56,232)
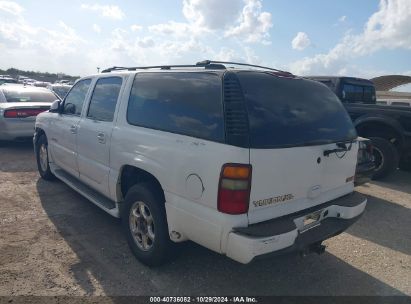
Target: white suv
(244,161)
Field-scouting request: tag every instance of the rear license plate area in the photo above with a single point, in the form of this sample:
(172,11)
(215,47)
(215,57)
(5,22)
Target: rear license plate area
(311,220)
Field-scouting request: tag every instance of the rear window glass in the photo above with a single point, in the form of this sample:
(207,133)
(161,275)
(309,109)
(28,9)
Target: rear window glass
(183,103)
(358,94)
(27,95)
(287,112)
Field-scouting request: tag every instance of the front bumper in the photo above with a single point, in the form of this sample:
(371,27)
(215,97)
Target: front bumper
(288,233)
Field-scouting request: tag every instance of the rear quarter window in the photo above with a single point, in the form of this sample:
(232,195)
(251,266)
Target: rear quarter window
(184,103)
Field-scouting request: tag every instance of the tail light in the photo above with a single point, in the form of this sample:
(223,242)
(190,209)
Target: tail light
(365,151)
(370,147)
(234,189)
(22,113)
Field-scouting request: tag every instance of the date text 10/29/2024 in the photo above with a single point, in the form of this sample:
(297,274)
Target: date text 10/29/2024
(204,299)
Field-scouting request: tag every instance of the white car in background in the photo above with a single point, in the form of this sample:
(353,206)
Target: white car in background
(19,106)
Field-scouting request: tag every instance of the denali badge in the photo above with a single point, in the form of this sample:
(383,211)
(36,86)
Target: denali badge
(272,200)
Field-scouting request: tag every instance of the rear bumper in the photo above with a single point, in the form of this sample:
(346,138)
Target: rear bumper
(16,128)
(288,233)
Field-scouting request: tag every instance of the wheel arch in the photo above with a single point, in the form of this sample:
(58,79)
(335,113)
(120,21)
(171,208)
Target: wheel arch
(39,132)
(388,129)
(131,175)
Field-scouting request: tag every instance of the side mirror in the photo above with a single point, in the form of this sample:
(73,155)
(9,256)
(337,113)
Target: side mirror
(55,106)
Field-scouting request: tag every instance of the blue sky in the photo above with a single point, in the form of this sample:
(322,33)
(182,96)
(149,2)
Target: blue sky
(357,38)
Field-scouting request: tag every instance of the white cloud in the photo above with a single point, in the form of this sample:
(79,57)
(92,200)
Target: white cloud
(11,7)
(342,18)
(109,11)
(25,41)
(251,57)
(212,14)
(146,42)
(300,41)
(177,29)
(62,42)
(136,28)
(242,19)
(254,25)
(96,28)
(59,47)
(226,54)
(388,28)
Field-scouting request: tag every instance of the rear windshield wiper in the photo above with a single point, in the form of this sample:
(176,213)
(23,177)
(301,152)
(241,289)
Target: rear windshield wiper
(342,147)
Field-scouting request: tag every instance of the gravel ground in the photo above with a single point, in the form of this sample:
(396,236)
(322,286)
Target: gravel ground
(54,242)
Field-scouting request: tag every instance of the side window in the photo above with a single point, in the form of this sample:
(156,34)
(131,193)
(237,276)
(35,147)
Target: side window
(74,100)
(104,99)
(183,103)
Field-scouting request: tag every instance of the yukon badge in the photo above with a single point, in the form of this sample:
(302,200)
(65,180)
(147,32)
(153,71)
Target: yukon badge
(273,200)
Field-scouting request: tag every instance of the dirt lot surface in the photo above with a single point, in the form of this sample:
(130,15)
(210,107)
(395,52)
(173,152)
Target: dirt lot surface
(54,242)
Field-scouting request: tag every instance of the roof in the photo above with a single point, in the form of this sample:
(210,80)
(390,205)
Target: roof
(388,82)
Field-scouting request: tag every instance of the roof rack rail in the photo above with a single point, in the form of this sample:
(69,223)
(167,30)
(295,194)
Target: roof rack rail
(209,62)
(164,67)
(206,64)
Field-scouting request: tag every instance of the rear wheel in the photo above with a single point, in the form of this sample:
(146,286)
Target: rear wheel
(405,165)
(145,225)
(385,156)
(42,157)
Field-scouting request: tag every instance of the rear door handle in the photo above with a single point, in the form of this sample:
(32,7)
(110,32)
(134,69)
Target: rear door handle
(73,129)
(101,138)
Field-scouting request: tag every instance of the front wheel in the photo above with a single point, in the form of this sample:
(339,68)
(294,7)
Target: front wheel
(385,157)
(42,157)
(145,225)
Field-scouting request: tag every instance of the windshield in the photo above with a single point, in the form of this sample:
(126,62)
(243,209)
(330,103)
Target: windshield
(24,95)
(286,112)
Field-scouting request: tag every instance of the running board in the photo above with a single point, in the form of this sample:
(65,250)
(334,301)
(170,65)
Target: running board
(96,198)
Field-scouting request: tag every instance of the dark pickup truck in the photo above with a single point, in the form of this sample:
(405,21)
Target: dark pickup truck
(389,127)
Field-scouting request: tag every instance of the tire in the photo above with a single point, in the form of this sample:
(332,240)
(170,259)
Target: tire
(159,248)
(43,165)
(386,157)
(405,165)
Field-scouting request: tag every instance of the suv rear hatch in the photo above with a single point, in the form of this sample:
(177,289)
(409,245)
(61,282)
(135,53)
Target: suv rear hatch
(303,148)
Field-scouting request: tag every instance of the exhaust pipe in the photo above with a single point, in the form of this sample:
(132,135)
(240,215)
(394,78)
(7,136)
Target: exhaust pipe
(317,248)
